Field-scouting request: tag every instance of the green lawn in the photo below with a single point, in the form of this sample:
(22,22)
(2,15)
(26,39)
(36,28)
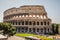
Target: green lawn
(26,34)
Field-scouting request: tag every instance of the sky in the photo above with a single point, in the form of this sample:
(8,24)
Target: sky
(52,7)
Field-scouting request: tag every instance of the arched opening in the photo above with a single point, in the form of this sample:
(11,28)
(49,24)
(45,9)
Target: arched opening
(22,15)
(37,15)
(34,23)
(26,22)
(26,15)
(41,17)
(30,23)
(29,29)
(48,23)
(22,29)
(44,30)
(16,23)
(22,22)
(19,23)
(37,23)
(41,23)
(13,23)
(37,29)
(33,30)
(44,17)
(26,28)
(33,15)
(30,15)
(44,23)
(41,30)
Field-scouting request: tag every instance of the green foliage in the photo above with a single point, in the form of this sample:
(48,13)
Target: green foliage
(7,29)
(24,34)
(55,28)
(34,35)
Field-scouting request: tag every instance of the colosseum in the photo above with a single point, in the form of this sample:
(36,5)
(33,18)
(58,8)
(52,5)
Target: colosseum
(28,19)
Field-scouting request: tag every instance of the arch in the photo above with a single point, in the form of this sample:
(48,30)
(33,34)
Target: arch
(41,17)
(34,30)
(26,22)
(13,22)
(41,23)
(26,15)
(30,23)
(29,29)
(44,23)
(22,15)
(37,23)
(48,23)
(19,23)
(34,23)
(16,23)
(44,30)
(37,15)
(30,15)
(16,16)
(44,17)
(22,22)
(37,29)
(33,15)
(41,30)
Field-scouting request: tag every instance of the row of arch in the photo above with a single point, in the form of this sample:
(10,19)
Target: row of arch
(27,16)
(41,16)
(33,30)
(29,23)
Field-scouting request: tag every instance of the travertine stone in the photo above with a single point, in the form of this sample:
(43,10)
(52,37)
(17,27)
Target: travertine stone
(28,16)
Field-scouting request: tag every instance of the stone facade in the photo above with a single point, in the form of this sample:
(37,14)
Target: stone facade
(29,18)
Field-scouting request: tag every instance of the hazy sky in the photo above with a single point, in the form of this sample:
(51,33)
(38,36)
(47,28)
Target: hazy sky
(51,6)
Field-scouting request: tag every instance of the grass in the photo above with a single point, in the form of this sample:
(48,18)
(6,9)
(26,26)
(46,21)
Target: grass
(26,34)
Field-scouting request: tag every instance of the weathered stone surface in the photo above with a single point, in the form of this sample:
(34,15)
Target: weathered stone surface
(29,18)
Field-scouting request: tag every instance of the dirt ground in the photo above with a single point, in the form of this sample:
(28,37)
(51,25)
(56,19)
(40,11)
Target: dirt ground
(15,38)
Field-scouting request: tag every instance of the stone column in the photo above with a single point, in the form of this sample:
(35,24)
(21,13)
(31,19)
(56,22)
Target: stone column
(28,23)
(21,23)
(23,29)
(24,22)
(28,30)
(32,22)
(35,30)
(19,29)
(43,16)
(31,29)
(17,23)
(50,30)
(43,23)
(39,23)
(46,30)
(14,23)
(36,23)
(39,30)
(43,30)
(16,29)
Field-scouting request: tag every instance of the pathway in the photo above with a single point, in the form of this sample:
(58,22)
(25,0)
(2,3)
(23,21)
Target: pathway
(15,38)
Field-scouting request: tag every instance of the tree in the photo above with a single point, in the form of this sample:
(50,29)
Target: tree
(7,29)
(55,28)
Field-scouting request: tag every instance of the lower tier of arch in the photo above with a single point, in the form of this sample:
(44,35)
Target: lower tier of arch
(34,30)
